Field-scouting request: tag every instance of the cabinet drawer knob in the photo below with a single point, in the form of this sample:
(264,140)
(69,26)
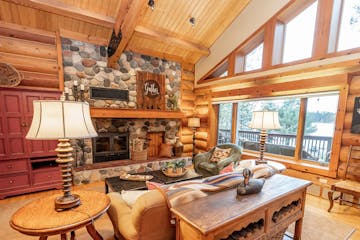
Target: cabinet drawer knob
(49,176)
(9,166)
(11,181)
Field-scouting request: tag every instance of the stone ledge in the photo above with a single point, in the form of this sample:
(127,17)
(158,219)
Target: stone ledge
(88,174)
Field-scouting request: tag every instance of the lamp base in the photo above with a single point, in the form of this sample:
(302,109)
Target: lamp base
(65,202)
(259,161)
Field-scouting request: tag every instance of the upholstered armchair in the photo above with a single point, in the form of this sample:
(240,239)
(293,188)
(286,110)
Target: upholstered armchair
(206,168)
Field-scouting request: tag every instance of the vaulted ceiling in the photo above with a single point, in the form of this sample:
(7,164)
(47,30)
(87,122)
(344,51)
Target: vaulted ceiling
(164,32)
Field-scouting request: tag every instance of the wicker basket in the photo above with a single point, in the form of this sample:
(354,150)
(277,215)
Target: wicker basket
(139,155)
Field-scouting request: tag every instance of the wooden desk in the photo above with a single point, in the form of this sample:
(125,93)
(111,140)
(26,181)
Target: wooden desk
(39,217)
(222,214)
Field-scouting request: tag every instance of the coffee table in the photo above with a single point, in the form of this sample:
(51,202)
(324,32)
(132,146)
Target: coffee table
(117,185)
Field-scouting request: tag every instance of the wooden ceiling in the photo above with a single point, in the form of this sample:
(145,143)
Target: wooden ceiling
(164,32)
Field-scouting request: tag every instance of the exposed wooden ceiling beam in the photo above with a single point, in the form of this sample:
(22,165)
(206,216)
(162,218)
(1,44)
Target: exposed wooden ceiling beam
(135,10)
(166,38)
(123,9)
(63,9)
(83,37)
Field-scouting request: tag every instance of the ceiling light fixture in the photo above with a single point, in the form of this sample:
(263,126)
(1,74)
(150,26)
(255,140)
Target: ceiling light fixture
(192,21)
(151,4)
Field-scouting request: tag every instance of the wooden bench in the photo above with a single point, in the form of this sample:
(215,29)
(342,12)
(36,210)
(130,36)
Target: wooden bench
(348,186)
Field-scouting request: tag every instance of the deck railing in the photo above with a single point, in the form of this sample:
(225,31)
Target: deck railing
(317,147)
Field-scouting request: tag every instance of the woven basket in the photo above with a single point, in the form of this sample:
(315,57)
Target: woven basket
(139,155)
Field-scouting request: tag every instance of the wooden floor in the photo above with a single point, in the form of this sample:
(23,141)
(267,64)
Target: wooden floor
(345,214)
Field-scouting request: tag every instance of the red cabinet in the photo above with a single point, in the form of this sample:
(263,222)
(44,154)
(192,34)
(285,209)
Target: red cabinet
(25,165)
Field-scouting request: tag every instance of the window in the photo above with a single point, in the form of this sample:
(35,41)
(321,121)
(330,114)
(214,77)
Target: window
(220,71)
(299,35)
(319,128)
(253,60)
(319,115)
(225,120)
(280,141)
(349,33)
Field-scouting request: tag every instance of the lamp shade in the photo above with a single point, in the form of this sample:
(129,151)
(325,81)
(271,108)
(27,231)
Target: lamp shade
(194,122)
(55,119)
(265,120)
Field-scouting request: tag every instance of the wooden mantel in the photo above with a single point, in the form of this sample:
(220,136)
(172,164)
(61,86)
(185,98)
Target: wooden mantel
(133,113)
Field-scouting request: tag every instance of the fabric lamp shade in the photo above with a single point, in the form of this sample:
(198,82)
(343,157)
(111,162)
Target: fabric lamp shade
(265,120)
(54,119)
(194,122)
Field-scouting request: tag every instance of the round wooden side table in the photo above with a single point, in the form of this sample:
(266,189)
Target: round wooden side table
(39,217)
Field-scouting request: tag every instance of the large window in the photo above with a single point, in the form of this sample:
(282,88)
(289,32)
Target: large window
(299,35)
(349,33)
(317,113)
(280,141)
(225,119)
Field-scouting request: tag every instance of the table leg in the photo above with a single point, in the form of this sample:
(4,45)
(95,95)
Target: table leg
(106,188)
(331,199)
(72,235)
(63,236)
(298,227)
(43,238)
(93,233)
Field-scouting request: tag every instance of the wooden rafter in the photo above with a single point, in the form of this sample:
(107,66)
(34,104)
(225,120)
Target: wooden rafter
(166,38)
(123,9)
(63,9)
(135,11)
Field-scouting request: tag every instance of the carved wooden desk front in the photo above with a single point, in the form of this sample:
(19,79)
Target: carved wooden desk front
(258,216)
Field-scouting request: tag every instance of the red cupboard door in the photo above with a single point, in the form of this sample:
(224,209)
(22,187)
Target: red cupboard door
(13,124)
(37,148)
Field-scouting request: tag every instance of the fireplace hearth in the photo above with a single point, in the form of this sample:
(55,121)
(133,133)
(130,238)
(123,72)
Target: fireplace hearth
(110,147)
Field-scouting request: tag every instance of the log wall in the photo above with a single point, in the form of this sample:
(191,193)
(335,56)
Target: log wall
(34,54)
(187,107)
(349,138)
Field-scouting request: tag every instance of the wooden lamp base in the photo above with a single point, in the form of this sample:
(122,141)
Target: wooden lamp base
(65,159)
(262,141)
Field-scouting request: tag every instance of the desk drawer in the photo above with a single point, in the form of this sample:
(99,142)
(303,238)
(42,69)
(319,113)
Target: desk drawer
(13,166)
(9,182)
(51,175)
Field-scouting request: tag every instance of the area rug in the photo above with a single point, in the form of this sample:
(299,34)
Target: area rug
(316,226)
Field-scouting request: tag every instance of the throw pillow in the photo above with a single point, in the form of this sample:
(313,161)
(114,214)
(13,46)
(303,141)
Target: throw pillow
(152,185)
(131,196)
(220,154)
(228,168)
(166,150)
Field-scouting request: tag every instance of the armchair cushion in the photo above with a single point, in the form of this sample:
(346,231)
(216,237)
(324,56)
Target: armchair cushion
(220,154)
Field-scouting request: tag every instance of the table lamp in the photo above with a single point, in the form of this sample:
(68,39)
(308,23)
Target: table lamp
(264,120)
(62,120)
(193,122)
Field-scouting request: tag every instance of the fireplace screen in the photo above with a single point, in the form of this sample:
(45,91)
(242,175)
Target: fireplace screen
(111,146)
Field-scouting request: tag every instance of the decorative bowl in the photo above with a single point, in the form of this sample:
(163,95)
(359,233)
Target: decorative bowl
(174,174)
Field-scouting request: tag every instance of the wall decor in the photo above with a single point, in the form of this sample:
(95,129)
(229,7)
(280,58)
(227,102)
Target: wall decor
(355,125)
(9,76)
(150,90)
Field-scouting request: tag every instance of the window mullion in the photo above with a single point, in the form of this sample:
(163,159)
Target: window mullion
(300,130)
(234,122)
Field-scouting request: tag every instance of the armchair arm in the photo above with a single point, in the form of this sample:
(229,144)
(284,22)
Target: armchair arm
(201,157)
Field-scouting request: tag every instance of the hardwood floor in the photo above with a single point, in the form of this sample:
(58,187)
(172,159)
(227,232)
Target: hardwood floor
(345,214)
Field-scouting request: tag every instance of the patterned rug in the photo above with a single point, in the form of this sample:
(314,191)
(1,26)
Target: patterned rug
(316,226)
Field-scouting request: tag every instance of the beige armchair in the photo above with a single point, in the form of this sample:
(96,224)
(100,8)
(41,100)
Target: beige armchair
(147,219)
